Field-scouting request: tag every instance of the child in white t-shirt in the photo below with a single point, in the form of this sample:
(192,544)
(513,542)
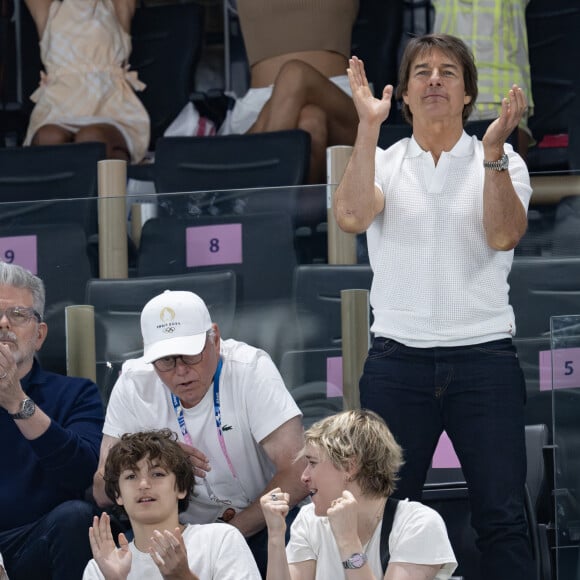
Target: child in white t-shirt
(150,477)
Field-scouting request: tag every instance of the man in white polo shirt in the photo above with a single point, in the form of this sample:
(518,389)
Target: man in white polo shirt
(228,404)
(443,212)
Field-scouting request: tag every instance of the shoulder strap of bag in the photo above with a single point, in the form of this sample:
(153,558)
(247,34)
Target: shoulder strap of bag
(387,526)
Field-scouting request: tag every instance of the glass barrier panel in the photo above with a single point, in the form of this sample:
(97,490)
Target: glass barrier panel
(565,374)
(258,257)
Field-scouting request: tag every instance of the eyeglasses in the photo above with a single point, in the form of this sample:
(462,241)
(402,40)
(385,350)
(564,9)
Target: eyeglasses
(20,315)
(168,363)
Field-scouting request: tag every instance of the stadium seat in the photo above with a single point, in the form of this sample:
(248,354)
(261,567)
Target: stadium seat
(263,165)
(258,248)
(57,253)
(167,41)
(317,300)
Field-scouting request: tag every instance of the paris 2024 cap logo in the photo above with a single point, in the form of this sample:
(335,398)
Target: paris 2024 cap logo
(168,323)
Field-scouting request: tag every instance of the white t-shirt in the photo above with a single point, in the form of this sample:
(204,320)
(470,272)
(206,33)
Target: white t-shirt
(254,402)
(3,575)
(436,281)
(418,536)
(214,552)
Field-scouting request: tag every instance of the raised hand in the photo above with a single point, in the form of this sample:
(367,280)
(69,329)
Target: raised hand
(170,554)
(370,109)
(275,508)
(513,108)
(114,563)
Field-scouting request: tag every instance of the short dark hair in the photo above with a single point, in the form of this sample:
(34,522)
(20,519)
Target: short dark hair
(160,446)
(451,46)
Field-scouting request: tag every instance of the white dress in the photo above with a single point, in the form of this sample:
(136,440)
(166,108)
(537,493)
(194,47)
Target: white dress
(85,52)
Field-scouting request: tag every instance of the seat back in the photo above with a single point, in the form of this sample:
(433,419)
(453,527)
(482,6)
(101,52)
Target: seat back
(390,133)
(167,41)
(314,379)
(50,173)
(232,162)
(566,233)
(533,354)
(258,248)
(118,305)
(543,287)
(538,494)
(58,255)
(537,437)
(277,158)
(317,290)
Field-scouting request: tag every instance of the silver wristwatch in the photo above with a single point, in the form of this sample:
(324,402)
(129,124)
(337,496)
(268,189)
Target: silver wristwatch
(500,165)
(27,408)
(357,560)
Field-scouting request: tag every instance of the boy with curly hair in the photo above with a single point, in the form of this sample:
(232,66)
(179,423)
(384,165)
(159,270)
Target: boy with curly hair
(149,476)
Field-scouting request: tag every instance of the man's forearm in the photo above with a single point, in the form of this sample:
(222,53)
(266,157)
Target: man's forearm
(99,495)
(354,199)
(504,216)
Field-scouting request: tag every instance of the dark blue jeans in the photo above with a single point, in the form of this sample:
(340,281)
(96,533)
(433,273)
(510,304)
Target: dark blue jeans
(477,395)
(56,547)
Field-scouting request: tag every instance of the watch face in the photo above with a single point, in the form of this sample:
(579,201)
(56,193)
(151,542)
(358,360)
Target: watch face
(355,561)
(500,165)
(27,410)
(358,560)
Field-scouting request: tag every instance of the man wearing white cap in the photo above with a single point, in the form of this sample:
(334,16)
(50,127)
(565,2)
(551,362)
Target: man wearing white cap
(228,404)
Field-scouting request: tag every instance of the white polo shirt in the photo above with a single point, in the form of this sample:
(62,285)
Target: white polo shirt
(436,281)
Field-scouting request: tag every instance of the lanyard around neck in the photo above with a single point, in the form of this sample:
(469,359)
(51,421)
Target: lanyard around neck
(218,418)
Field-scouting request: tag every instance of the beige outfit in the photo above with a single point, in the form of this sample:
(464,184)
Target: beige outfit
(275,27)
(85,52)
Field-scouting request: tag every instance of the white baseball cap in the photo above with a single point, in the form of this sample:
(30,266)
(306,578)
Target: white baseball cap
(174,323)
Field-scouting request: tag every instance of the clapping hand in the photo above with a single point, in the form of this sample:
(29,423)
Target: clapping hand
(513,108)
(10,388)
(170,554)
(114,563)
(370,109)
